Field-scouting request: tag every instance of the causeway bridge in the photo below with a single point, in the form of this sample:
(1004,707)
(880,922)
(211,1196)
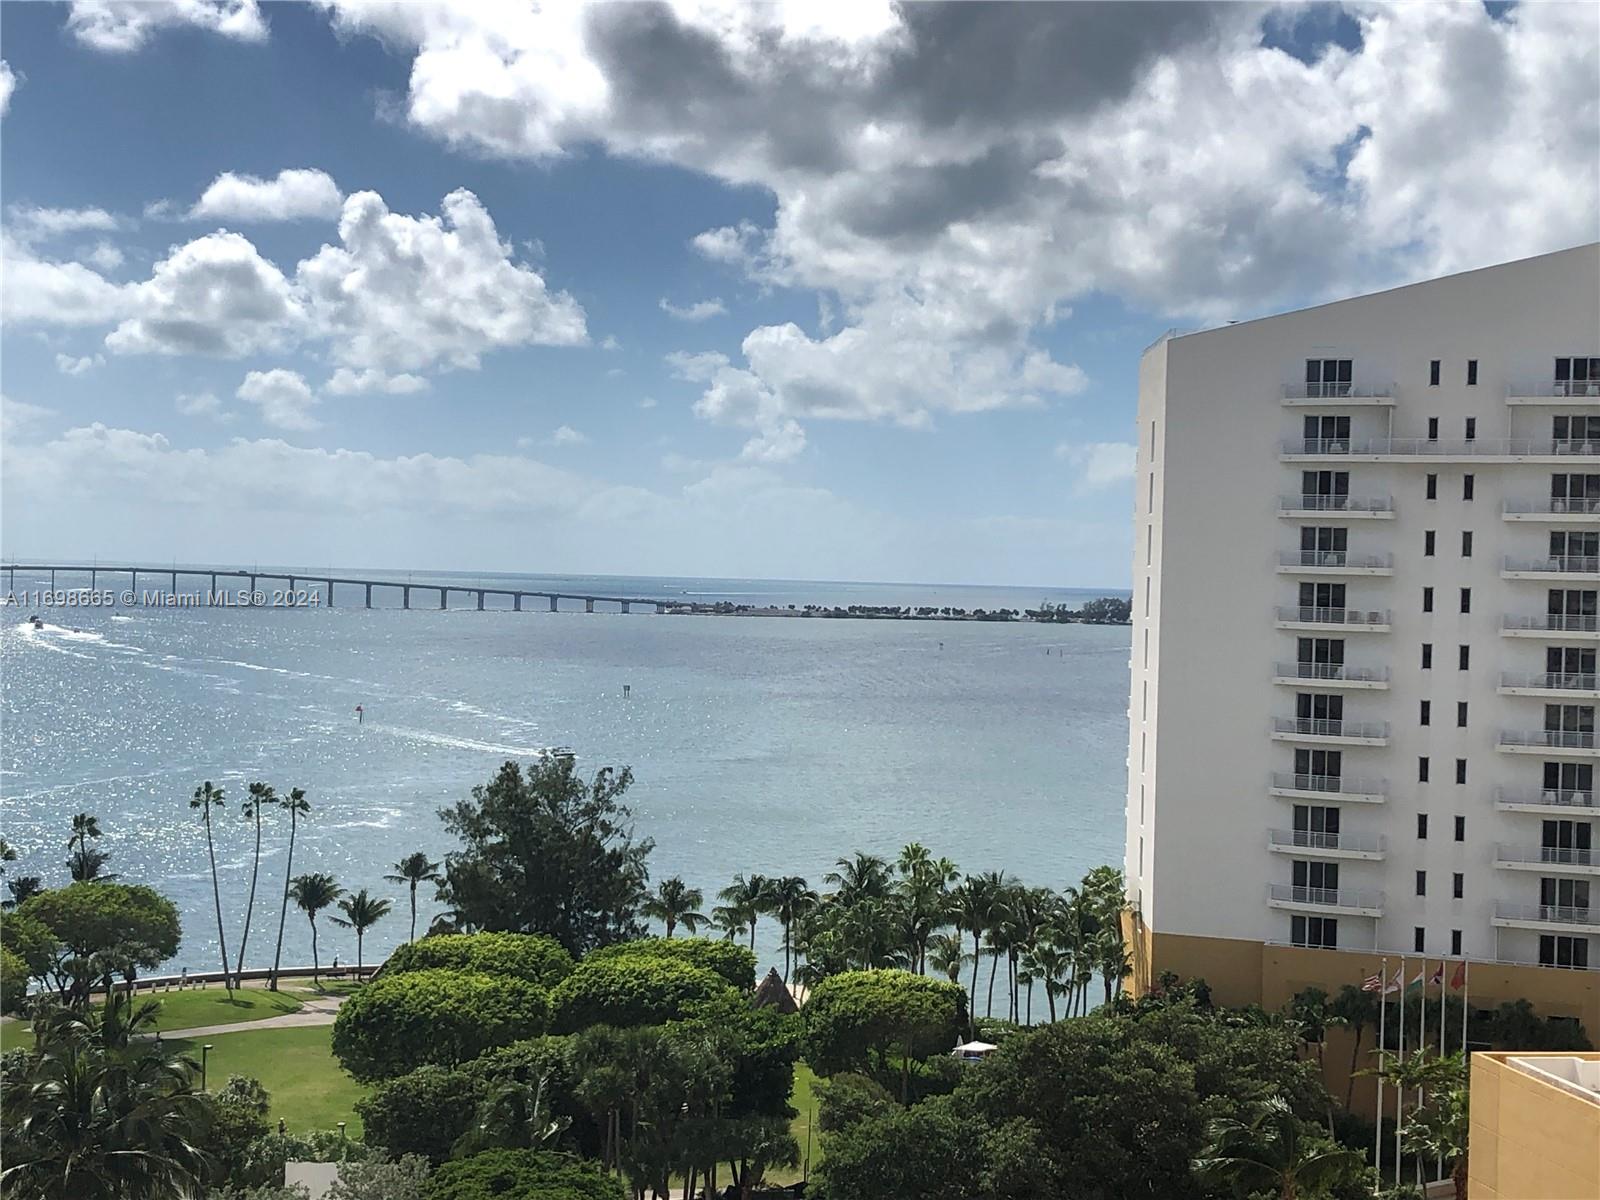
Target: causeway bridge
(247,582)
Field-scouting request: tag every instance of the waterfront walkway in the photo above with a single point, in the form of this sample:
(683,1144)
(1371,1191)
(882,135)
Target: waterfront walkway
(317,1010)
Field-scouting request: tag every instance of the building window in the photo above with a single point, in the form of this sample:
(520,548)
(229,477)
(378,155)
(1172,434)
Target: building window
(1461,770)
(1319,932)
(1427,599)
(1466,486)
(1466,600)
(1422,888)
(1425,713)
(1458,885)
(1433,429)
(1433,487)
(1433,373)
(1465,657)
(1427,656)
(1427,543)
(1419,937)
(1472,375)
(1422,825)
(1422,769)
(1466,543)
(1472,428)
(1558,950)
(1578,376)
(1328,376)
(1455,943)
(1461,829)
(1461,714)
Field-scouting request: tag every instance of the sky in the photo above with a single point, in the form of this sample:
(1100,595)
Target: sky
(800,290)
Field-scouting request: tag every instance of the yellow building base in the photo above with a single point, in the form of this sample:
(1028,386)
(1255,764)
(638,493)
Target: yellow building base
(1532,1137)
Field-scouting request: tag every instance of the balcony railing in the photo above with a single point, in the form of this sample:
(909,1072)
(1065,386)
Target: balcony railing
(1552,914)
(1546,797)
(1555,388)
(1331,672)
(1562,681)
(1315,727)
(1313,502)
(1561,564)
(1328,785)
(1337,559)
(1337,391)
(1354,899)
(1554,856)
(1550,739)
(1334,616)
(1556,506)
(1556,623)
(1434,448)
(1310,839)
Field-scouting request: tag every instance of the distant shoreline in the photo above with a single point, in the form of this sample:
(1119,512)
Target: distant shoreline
(882,612)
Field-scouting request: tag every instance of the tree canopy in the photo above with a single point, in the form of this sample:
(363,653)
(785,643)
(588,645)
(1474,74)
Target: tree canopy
(858,1020)
(626,991)
(531,956)
(733,962)
(523,1174)
(104,929)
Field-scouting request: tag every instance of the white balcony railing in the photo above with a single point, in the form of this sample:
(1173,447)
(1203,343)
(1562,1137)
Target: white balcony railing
(1301,615)
(1331,672)
(1561,564)
(1556,505)
(1552,681)
(1556,623)
(1354,899)
(1552,914)
(1313,502)
(1310,839)
(1551,739)
(1554,856)
(1329,785)
(1315,727)
(1434,448)
(1337,391)
(1556,388)
(1546,797)
(1337,559)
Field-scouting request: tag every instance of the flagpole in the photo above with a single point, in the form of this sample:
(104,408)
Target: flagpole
(1444,993)
(1399,1094)
(1422,1042)
(1383,1012)
(1466,989)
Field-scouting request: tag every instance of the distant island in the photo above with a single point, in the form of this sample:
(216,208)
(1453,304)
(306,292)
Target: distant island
(1105,610)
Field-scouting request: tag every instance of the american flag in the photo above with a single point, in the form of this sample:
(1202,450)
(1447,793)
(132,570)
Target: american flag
(1373,983)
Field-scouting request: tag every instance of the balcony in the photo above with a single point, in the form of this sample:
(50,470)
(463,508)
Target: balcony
(1311,844)
(1334,562)
(1567,685)
(1532,450)
(1340,508)
(1561,802)
(1563,393)
(1549,741)
(1341,733)
(1558,626)
(1353,620)
(1576,568)
(1333,675)
(1337,395)
(1292,785)
(1553,860)
(1546,917)
(1555,510)
(1360,902)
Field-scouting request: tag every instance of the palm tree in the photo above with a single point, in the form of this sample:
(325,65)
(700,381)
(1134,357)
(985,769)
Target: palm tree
(1355,1009)
(791,898)
(261,795)
(1274,1151)
(312,894)
(205,799)
(298,807)
(84,827)
(997,887)
(1049,964)
(971,912)
(864,877)
(948,954)
(23,888)
(411,870)
(675,903)
(730,921)
(361,913)
(85,865)
(748,897)
(8,853)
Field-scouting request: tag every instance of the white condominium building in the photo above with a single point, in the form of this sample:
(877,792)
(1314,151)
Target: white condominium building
(1365,629)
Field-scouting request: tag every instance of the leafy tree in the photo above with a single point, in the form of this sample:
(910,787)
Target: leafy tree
(104,929)
(1438,1128)
(626,991)
(548,852)
(1276,1152)
(1309,1014)
(236,1117)
(675,903)
(549,1063)
(361,913)
(205,799)
(13,981)
(524,1174)
(759,1047)
(849,1098)
(260,796)
(404,1179)
(31,949)
(734,963)
(297,806)
(858,1020)
(311,894)
(422,1112)
(929,1151)
(411,870)
(531,956)
(399,1022)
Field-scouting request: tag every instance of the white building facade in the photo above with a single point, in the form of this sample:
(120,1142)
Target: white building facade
(1365,624)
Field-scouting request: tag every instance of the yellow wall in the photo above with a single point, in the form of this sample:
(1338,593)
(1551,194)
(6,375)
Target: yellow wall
(1530,1140)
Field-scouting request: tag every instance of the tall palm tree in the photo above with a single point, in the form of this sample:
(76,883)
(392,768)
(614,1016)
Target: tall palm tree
(411,870)
(749,897)
(298,807)
(997,887)
(205,799)
(730,921)
(675,903)
(313,893)
(86,864)
(1355,1009)
(791,898)
(261,795)
(23,888)
(864,877)
(84,827)
(971,913)
(948,954)
(1274,1151)
(361,913)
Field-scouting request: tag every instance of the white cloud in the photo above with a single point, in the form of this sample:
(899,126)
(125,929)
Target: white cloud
(780,443)
(68,365)
(699,311)
(647,401)
(36,223)
(8,85)
(293,195)
(119,26)
(283,396)
(18,417)
(565,435)
(345,382)
(200,404)
(1099,464)
(102,256)
(47,292)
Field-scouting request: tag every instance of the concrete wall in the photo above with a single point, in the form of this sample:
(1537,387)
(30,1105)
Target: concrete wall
(1529,1140)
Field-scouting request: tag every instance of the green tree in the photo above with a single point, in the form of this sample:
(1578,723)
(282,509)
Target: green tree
(1355,1009)
(297,806)
(1274,1151)
(1437,1128)
(22,889)
(411,870)
(531,956)
(533,1174)
(947,954)
(674,903)
(206,798)
(260,796)
(236,1115)
(84,827)
(361,913)
(734,963)
(311,894)
(791,898)
(8,854)
(545,851)
(627,991)
(425,1111)
(748,898)
(104,929)
(862,877)
(404,1179)
(87,864)
(870,1020)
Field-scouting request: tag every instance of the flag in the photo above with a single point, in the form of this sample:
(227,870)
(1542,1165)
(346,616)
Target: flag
(1460,977)
(1396,983)
(1437,978)
(1415,983)
(1372,983)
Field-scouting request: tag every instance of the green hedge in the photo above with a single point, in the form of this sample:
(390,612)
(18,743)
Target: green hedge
(520,1175)
(397,1023)
(530,956)
(628,991)
(422,1112)
(733,962)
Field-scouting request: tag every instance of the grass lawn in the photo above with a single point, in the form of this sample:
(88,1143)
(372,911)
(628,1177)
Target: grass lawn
(309,1088)
(188,1010)
(802,1098)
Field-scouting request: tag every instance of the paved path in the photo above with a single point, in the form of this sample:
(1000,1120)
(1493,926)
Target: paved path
(318,1010)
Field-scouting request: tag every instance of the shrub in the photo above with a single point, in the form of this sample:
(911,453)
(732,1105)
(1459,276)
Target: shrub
(733,962)
(522,1174)
(860,1020)
(397,1023)
(530,956)
(13,982)
(402,1180)
(628,991)
(422,1112)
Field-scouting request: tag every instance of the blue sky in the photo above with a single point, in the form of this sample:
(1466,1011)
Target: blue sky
(799,291)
